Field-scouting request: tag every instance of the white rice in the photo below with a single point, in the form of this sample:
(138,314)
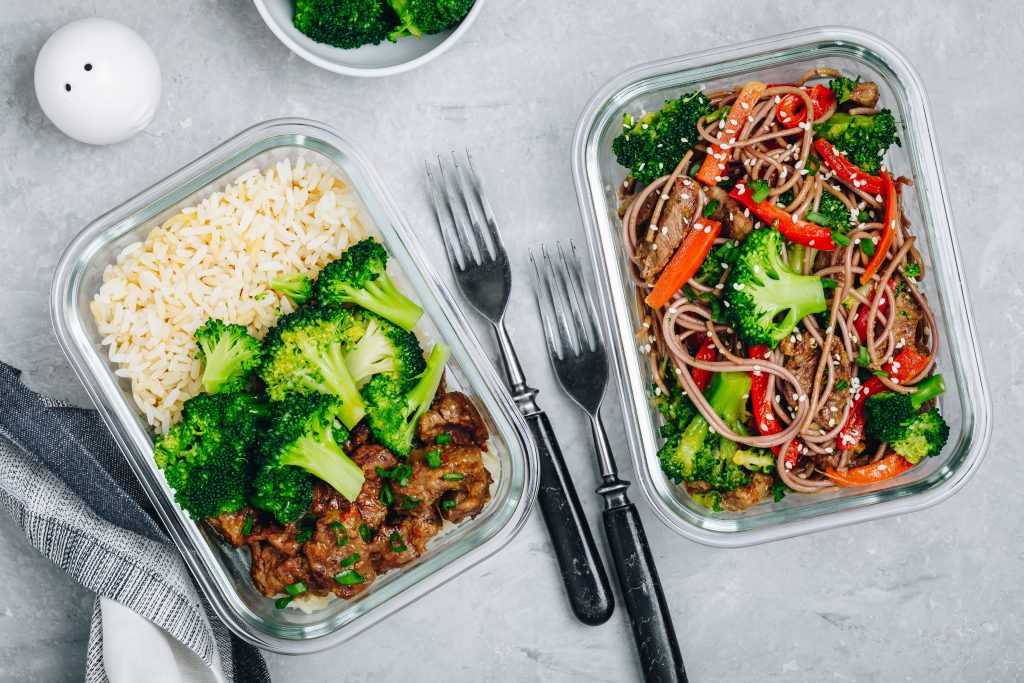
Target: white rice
(217,259)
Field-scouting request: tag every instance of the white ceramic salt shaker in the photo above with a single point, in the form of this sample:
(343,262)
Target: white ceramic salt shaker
(98,81)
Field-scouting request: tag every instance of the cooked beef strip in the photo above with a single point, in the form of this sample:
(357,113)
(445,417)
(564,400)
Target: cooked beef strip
(865,94)
(272,570)
(326,498)
(230,524)
(908,319)
(361,434)
(802,360)
(730,214)
(673,225)
(369,458)
(747,496)
(402,542)
(283,538)
(741,498)
(429,486)
(452,414)
(325,554)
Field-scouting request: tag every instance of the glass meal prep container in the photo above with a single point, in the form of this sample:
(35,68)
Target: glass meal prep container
(966,403)
(221,570)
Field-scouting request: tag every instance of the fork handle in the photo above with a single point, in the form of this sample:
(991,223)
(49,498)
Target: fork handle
(649,615)
(583,573)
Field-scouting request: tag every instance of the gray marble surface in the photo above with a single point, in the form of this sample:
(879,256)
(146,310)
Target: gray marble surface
(936,595)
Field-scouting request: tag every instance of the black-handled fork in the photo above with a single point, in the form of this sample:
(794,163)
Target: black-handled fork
(577,353)
(480,264)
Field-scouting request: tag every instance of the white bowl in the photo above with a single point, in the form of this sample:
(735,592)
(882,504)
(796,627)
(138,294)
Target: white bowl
(385,59)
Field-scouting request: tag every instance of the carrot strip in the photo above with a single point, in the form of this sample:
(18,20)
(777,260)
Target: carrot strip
(713,168)
(685,262)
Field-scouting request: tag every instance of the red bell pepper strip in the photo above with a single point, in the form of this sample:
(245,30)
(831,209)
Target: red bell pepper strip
(888,467)
(888,230)
(713,168)
(860,323)
(685,262)
(793,229)
(905,367)
(791,111)
(846,170)
(764,416)
(706,353)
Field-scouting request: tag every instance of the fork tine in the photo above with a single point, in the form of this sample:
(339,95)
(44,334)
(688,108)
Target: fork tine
(444,219)
(561,306)
(474,211)
(589,309)
(572,301)
(492,224)
(545,305)
(458,206)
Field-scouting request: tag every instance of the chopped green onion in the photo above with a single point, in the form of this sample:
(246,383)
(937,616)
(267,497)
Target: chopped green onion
(816,217)
(382,473)
(693,170)
(867,246)
(862,217)
(260,297)
(396,542)
(710,208)
(365,532)
(880,373)
(828,283)
(350,560)
(386,496)
(454,476)
(349,578)
(410,503)
(247,527)
(863,358)
(401,474)
(434,457)
(281,603)
(442,439)
(760,189)
(717,114)
(297,588)
(912,270)
(340,534)
(840,239)
(813,164)
(448,504)
(842,384)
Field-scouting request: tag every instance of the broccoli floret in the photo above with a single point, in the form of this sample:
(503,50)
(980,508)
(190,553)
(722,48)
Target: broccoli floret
(393,411)
(767,299)
(344,23)
(359,277)
(888,416)
(205,457)
(711,270)
(864,139)
(925,438)
(651,147)
(842,87)
(296,287)
(831,213)
(755,460)
(699,454)
(305,354)
(229,355)
(384,348)
(301,441)
(419,17)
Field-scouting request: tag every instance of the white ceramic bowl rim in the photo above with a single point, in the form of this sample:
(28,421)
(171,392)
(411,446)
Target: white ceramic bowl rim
(347,70)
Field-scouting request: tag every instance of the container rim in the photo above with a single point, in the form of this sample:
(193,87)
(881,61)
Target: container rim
(521,448)
(760,52)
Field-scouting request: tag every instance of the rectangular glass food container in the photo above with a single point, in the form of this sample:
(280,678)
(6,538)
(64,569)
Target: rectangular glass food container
(223,571)
(781,59)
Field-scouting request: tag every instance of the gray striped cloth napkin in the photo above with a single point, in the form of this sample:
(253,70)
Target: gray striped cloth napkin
(67,485)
